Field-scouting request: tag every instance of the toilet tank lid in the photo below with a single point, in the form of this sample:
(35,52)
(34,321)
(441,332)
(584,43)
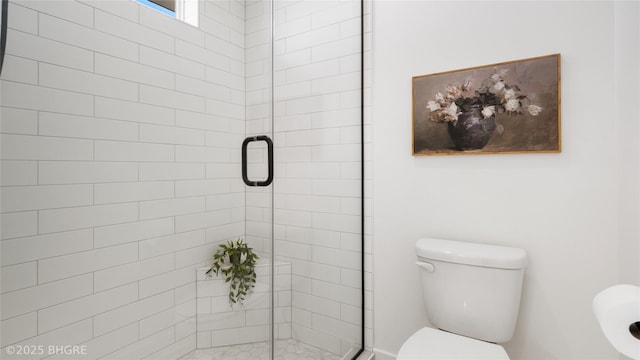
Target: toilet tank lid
(461,252)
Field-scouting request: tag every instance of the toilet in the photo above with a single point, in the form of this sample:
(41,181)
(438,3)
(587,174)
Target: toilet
(472,296)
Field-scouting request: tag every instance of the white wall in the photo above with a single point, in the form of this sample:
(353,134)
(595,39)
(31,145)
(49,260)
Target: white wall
(120,129)
(565,209)
(627,77)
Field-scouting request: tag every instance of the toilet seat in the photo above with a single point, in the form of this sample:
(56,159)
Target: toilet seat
(428,343)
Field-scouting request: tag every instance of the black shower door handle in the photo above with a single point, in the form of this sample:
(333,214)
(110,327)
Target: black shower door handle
(245,144)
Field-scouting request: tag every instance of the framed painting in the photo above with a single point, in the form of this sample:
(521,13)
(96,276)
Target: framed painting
(508,107)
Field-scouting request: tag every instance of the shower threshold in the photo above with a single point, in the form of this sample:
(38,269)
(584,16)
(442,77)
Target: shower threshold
(288,349)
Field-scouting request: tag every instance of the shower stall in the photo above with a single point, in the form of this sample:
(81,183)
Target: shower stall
(135,142)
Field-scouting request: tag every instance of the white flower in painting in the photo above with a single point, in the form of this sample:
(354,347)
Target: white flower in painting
(433,106)
(451,113)
(488,111)
(534,109)
(512,105)
(499,75)
(494,97)
(509,94)
(453,92)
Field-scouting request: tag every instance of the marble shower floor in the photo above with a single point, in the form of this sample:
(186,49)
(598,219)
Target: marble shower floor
(285,350)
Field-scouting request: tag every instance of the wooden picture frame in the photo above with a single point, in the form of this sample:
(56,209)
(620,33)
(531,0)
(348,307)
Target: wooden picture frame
(507,107)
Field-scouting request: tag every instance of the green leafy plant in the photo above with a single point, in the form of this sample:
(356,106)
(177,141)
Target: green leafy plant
(236,261)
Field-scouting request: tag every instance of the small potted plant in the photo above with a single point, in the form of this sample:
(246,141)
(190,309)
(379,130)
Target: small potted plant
(237,263)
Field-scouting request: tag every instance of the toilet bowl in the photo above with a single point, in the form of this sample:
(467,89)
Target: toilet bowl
(472,296)
(428,343)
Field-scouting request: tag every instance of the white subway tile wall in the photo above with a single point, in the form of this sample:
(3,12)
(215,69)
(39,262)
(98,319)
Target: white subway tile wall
(119,173)
(120,161)
(221,324)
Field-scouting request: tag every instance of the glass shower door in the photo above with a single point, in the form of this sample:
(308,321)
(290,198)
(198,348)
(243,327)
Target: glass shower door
(317,207)
(302,183)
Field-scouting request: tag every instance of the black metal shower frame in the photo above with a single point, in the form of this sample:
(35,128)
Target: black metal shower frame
(3,31)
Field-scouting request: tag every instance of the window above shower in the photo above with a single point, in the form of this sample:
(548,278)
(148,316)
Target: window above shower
(184,10)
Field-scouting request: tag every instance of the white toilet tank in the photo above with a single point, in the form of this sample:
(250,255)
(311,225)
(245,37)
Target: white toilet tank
(471,289)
